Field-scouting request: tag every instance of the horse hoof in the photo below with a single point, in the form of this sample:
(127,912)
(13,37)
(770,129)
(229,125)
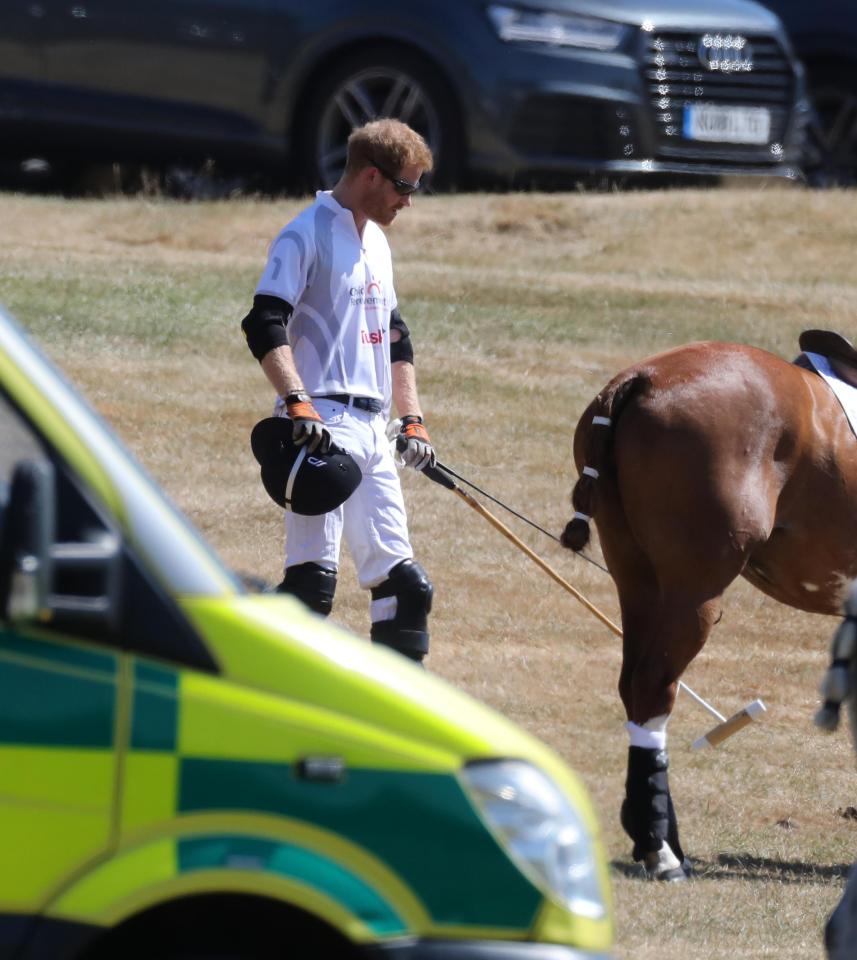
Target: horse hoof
(663,865)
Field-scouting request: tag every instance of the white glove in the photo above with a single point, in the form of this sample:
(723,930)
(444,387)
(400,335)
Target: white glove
(308,426)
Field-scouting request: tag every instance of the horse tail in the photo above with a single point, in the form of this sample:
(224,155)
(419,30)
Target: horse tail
(598,424)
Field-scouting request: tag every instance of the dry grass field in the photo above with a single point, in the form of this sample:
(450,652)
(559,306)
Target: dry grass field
(521,307)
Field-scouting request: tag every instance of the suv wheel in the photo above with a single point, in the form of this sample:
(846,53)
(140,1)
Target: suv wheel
(832,160)
(368,87)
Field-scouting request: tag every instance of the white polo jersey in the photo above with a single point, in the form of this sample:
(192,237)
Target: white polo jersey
(341,288)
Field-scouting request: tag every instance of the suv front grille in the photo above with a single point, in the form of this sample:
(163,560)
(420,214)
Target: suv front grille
(676,77)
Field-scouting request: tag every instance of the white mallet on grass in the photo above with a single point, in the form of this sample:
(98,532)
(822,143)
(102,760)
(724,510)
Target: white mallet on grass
(725,728)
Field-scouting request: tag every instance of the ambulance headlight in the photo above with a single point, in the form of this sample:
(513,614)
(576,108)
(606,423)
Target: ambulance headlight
(540,828)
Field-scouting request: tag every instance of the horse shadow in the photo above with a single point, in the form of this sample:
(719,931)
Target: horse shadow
(727,866)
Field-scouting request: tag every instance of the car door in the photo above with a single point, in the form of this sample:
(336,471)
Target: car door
(60,700)
(89,647)
(181,68)
(58,708)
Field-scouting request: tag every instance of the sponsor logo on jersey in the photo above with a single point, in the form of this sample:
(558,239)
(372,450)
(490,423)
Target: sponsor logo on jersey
(370,296)
(374,336)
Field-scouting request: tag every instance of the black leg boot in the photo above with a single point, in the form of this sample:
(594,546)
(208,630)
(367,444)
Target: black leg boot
(648,816)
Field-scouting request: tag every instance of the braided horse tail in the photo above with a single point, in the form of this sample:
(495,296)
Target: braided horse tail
(594,438)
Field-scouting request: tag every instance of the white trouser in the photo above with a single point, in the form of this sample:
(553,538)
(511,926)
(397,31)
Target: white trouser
(372,520)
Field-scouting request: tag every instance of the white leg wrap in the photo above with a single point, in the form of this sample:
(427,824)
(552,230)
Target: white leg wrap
(652,735)
(661,861)
(383,609)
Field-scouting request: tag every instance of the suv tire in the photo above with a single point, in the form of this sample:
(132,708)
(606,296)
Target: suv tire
(384,82)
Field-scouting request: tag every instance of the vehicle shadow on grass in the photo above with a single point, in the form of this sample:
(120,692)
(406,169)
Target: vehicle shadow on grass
(728,866)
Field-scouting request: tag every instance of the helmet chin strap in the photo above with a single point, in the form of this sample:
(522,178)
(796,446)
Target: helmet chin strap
(299,459)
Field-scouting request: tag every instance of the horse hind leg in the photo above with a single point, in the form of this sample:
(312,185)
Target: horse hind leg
(648,815)
(661,639)
(672,548)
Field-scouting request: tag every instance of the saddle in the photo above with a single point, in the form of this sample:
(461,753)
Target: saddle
(839,351)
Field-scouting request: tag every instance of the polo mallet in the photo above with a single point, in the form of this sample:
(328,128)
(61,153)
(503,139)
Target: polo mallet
(716,735)
(725,728)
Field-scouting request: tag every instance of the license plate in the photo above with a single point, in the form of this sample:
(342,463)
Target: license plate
(727,124)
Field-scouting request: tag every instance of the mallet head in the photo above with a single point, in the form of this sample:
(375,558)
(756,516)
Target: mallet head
(716,735)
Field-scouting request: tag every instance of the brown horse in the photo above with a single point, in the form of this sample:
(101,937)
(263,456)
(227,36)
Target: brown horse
(698,465)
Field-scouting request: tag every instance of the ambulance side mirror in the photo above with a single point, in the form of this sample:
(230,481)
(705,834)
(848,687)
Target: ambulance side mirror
(66,584)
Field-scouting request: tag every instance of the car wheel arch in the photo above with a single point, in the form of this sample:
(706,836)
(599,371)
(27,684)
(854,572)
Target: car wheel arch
(382,49)
(244,923)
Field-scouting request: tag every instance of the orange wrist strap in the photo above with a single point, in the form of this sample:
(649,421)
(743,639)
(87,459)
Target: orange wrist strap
(302,411)
(416,431)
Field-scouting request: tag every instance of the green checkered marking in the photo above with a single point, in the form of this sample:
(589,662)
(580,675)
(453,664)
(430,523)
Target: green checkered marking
(64,653)
(288,860)
(154,719)
(55,694)
(409,820)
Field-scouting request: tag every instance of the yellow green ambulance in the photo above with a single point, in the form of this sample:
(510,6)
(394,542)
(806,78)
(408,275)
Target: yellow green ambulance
(189,771)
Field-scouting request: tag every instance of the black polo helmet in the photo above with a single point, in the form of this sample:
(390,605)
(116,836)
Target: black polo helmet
(303,482)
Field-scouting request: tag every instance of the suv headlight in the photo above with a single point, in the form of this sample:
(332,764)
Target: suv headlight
(558,29)
(541,830)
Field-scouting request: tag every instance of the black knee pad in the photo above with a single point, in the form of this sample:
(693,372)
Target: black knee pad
(312,584)
(407,632)
(648,816)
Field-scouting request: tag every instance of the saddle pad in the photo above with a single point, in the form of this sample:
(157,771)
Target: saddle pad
(845,393)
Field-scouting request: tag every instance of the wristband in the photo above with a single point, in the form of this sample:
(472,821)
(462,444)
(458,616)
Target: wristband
(413,429)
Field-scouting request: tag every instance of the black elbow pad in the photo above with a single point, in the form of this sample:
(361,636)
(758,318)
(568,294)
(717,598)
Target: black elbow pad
(264,327)
(402,349)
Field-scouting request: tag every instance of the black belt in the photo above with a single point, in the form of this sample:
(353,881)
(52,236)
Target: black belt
(369,404)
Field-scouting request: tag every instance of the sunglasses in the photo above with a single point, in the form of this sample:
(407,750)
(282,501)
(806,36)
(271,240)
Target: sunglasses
(404,188)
